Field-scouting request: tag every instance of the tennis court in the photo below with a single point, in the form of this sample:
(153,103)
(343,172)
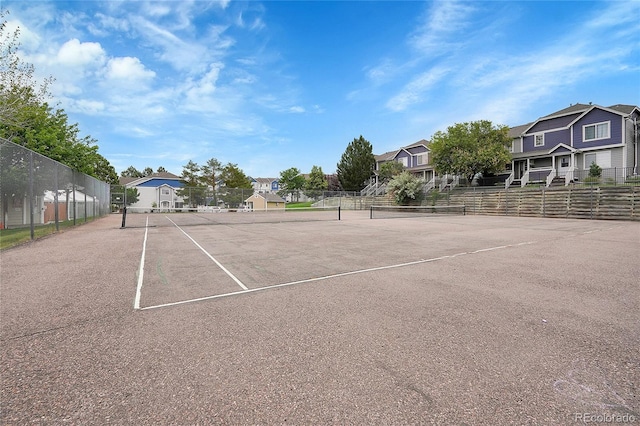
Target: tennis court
(443,319)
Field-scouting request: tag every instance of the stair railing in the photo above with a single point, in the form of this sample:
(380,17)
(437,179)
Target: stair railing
(550,177)
(509,180)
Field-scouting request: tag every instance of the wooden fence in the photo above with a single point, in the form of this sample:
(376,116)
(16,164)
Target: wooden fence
(620,202)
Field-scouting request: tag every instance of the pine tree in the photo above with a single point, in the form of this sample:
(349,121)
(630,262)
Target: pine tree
(356,165)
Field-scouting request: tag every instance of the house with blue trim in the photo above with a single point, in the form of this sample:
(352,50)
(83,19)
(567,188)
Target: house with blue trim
(158,190)
(559,148)
(265,185)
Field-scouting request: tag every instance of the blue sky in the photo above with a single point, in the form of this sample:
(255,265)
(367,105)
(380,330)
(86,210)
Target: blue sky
(278,84)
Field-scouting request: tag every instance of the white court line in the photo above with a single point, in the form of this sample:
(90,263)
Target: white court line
(136,302)
(233,277)
(342,274)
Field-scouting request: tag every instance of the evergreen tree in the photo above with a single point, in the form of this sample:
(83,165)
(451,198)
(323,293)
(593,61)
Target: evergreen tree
(316,182)
(131,172)
(356,165)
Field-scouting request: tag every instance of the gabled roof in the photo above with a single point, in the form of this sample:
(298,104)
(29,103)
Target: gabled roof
(388,156)
(158,182)
(163,176)
(625,109)
(562,146)
(517,131)
(566,117)
(572,109)
(423,142)
(264,180)
(126,179)
(269,197)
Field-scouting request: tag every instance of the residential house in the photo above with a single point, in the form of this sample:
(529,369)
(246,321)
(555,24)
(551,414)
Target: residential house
(564,144)
(265,185)
(265,201)
(159,190)
(415,158)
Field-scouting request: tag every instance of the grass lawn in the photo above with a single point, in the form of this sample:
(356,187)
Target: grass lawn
(298,205)
(14,236)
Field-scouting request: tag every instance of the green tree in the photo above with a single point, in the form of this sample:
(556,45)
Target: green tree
(148,171)
(316,182)
(161,170)
(237,185)
(131,172)
(193,193)
(18,87)
(104,171)
(210,172)
(132,196)
(406,188)
(26,119)
(469,148)
(356,165)
(595,171)
(389,170)
(291,182)
(234,177)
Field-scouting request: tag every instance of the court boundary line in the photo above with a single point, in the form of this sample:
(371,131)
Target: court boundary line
(226,271)
(136,302)
(338,275)
(342,274)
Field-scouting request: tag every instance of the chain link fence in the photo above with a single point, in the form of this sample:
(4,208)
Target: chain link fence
(39,196)
(232,198)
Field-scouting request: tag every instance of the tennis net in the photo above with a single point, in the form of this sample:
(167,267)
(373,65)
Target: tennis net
(392,212)
(136,217)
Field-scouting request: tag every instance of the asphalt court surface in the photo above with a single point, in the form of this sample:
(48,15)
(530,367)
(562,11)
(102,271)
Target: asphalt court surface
(189,263)
(440,320)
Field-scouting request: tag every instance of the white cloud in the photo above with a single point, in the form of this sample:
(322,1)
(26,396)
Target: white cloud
(76,54)
(129,71)
(29,40)
(103,25)
(415,91)
(439,32)
(88,107)
(297,109)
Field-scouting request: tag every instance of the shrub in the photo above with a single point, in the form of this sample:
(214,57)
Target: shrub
(595,170)
(406,188)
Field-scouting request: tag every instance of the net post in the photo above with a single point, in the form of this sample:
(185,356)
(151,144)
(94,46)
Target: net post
(124,216)
(339,210)
(370,212)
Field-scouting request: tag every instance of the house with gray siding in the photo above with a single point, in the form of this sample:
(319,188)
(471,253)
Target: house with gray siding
(560,147)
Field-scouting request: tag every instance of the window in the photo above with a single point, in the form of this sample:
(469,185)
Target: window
(421,159)
(564,162)
(538,140)
(602,159)
(596,131)
(404,161)
(165,191)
